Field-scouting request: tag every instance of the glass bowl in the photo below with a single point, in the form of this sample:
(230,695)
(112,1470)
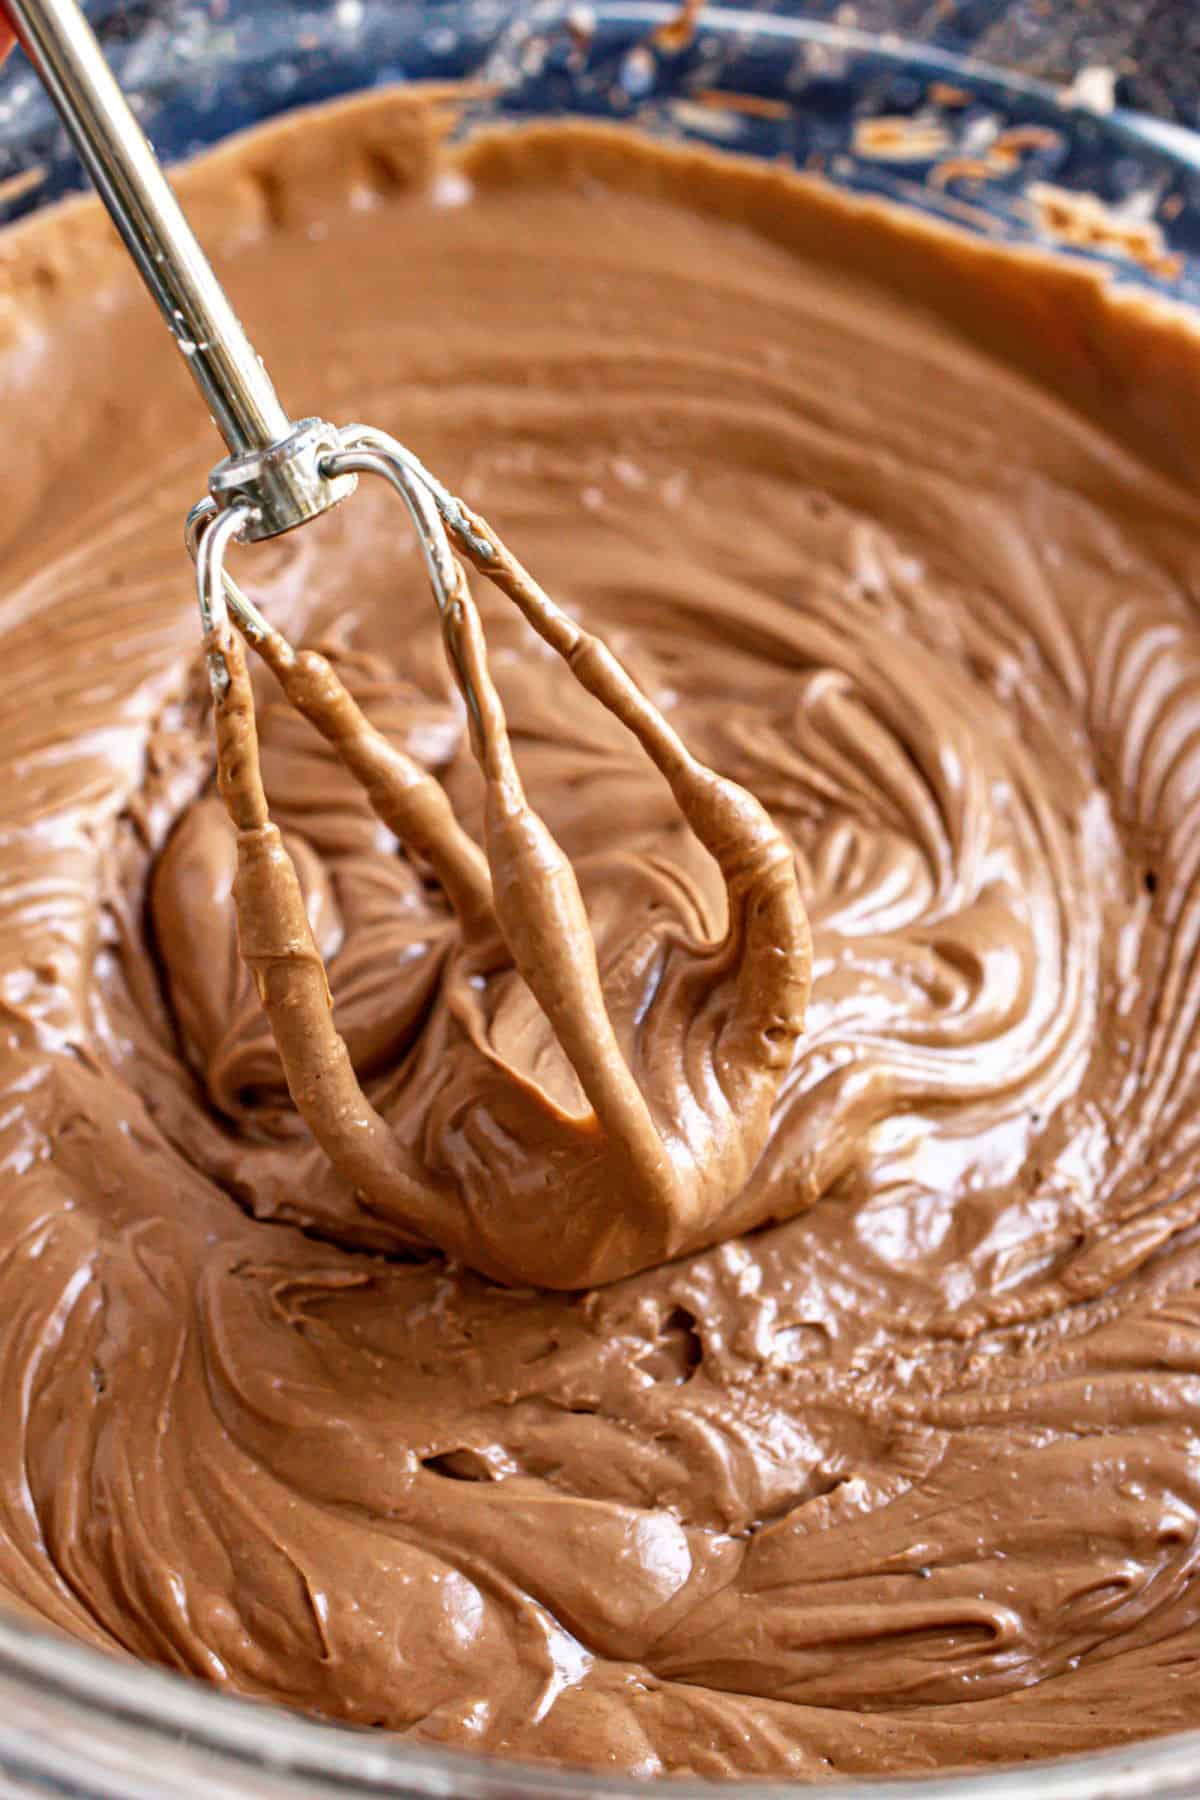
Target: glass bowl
(922,123)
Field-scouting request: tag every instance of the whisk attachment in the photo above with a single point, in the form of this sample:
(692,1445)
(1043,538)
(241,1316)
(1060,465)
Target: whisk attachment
(642,1148)
(638,1143)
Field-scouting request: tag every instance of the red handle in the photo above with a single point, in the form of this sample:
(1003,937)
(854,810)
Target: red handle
(6,34)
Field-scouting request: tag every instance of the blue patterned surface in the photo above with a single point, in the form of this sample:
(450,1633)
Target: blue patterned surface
(201,68)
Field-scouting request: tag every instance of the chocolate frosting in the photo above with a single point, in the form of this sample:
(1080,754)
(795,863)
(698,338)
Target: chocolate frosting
(897,531)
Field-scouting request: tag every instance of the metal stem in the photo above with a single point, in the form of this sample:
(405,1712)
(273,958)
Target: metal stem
(114,150)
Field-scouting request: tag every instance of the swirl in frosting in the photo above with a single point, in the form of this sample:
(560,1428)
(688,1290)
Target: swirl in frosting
(898,532)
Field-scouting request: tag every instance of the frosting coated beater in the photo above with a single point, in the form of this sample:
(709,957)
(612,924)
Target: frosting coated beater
(642,1150)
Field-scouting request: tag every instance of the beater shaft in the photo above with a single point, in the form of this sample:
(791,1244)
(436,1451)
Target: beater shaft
(274,465)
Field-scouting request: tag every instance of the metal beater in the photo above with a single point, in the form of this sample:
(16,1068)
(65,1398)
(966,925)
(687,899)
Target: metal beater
(518,905)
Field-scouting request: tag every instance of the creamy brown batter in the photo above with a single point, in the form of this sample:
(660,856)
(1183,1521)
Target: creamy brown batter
(899,533)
